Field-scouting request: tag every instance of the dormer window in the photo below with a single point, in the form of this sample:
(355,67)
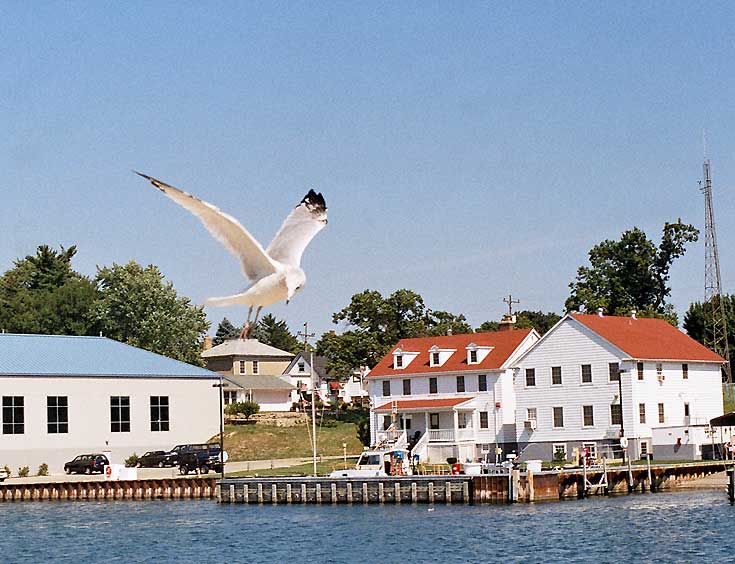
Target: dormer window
(437,356)
(476,353)
(401,359)
(435,359)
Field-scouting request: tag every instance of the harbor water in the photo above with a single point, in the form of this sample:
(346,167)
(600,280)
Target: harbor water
(663,527)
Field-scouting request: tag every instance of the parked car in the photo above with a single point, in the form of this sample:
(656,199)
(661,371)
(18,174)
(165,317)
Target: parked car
(201,459)
(153,458)
(87,464)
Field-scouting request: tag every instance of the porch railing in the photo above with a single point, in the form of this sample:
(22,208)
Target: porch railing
(449,436)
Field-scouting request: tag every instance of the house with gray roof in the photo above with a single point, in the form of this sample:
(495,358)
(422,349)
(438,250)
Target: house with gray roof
(252,372)
(67,395)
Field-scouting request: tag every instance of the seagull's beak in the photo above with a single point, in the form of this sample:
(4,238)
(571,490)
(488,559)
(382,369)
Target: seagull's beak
(287,301)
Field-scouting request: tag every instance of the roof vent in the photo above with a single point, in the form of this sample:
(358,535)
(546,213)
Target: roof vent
(599,311)
(449,331)
(633,314)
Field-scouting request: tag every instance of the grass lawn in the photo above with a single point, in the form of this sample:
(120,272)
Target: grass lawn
(263,442)
(322,469)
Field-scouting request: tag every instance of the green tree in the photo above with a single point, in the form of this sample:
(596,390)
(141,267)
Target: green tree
(275,332)
(631,273)
(225,331)
(376,323)
(43,294)
(137,306)
(696,320)
(526,319)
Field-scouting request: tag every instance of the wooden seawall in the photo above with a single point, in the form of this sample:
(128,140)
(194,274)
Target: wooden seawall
(393,490)
(180,488)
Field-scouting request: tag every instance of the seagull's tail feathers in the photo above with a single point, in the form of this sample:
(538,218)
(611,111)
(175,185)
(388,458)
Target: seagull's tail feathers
(237,299)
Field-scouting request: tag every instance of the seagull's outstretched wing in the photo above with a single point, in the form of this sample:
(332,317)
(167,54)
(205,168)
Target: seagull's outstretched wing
(226,229)
(299,228)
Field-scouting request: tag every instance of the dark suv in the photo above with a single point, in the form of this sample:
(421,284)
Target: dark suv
(200,458)
(87,464)
(153,458)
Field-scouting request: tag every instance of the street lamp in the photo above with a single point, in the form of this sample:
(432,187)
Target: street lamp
(221,386)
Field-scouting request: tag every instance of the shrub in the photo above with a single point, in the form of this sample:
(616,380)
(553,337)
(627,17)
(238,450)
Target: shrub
(23,472)
(363,432)
(244,408)
(43,469)
(131,460)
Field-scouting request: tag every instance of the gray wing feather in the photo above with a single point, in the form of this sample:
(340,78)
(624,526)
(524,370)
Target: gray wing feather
(226,229)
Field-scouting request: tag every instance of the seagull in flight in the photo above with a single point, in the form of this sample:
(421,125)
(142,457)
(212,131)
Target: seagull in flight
(275,273)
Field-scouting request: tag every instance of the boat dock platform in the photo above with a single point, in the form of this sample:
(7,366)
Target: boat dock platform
(463,489)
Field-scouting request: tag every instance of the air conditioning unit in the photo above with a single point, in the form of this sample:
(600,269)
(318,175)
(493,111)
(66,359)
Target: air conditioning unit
(530,424)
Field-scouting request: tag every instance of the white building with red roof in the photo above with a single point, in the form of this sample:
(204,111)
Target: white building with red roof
(592,379)
(453,395)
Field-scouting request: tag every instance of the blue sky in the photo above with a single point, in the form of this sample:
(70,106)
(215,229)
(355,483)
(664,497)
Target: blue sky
(465,150)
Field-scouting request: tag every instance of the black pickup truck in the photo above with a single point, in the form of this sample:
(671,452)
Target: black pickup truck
(200,458)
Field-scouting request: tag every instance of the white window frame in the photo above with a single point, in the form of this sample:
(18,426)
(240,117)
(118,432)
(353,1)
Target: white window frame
(553,417)
(561,377)
(554,447)
(592,446)
(584,425)
(242,367)
(256,367)
(532,414)
(581,375)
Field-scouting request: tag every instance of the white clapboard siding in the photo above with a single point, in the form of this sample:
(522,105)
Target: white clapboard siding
(570,345)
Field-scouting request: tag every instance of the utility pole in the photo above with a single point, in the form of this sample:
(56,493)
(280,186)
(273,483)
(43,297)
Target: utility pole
(510,301)
(306,335)
(713,308)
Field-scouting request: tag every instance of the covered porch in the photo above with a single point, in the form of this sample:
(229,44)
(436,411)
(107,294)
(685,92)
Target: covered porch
(439,428)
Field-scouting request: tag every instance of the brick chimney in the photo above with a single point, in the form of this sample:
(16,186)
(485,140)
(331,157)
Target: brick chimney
(207,343)
(507,323)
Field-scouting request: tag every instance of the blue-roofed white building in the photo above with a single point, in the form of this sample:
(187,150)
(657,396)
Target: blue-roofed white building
(63,396)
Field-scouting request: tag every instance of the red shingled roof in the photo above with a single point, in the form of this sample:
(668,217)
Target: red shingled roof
(423,404)
(504,343)
(647,338)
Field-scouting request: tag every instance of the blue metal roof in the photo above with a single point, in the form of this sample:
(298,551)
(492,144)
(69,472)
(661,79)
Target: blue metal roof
(62,355)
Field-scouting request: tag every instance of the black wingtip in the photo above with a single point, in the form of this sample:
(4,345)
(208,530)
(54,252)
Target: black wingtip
(314,200)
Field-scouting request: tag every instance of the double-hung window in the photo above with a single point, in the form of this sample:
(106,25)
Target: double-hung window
(642,413)
(639,367)
(484,419)
(685,371)
(588,415)
(530,377)
(586,373)
(159,413)
(482,383)
(120,414)
(13,415)
(558,417)
(386,387)
(556,375)
(614,368)
(432,385)
(616,414)
(57,414)
(460,384)
(407,387)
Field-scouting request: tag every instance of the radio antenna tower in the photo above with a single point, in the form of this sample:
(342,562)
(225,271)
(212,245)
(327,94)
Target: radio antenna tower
(715,323)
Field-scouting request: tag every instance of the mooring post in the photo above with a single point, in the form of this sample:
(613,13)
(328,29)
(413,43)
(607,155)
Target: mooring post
(303,493)
(731,485)
(365,494)
(630,476)
(381,492)
(398,492)
(333,492)
(274,494)
(650,477)
(448,491)
(349,492)
(289,499)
